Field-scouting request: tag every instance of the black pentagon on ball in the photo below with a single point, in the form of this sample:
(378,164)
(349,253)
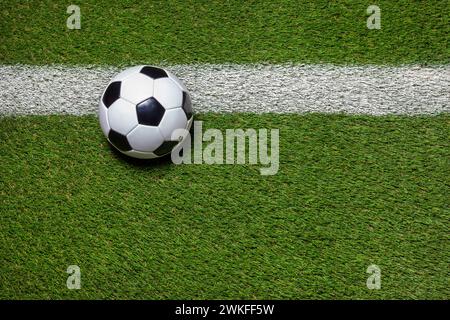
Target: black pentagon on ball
(150,112)
(119,140)
(187,105)
(165,148)
(112,93)
(154,72)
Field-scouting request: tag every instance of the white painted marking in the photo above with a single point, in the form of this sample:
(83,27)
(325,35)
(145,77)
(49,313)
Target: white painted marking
(372,90)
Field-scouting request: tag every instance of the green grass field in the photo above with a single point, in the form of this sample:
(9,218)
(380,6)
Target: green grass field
(134,32)
(351,191)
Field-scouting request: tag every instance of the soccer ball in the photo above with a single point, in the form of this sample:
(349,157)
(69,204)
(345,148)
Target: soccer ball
(140,109)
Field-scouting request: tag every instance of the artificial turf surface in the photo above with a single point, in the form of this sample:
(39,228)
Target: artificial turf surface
(145,32)
(351,191)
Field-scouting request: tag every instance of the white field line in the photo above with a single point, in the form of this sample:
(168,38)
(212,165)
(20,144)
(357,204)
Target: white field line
(372,90)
